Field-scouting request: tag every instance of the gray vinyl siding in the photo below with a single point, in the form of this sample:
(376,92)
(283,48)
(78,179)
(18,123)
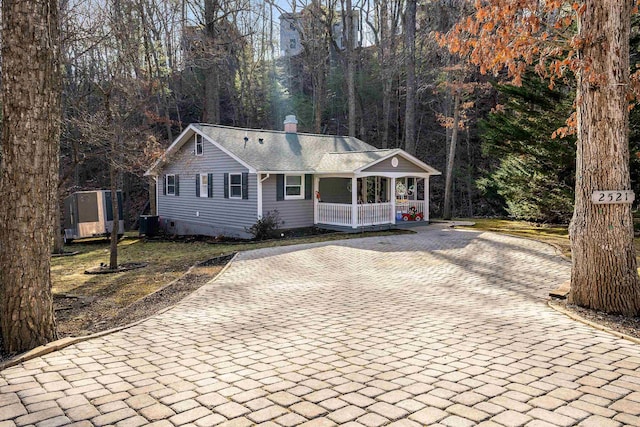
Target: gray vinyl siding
(294,213)
(334,190)
(202,215)
(403,166)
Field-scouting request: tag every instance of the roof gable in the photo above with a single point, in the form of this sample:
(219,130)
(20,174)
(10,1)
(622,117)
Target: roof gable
(168,153)
(403,154)
(185,137)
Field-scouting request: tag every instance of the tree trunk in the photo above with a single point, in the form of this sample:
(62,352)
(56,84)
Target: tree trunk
(388,24)
(113,185)
(273,88)
(211,108)
(58,238)
(113,175)
(152,196)
(448,183)
(383,53)
(318,99)
(603,274)
(410,64)
(469,178)
(211,96)
(29,185)
(386,111)
(351,77)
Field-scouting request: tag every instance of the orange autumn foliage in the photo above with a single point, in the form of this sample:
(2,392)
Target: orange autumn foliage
(514,35)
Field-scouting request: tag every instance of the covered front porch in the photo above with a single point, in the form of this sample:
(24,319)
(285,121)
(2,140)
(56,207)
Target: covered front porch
(364,200)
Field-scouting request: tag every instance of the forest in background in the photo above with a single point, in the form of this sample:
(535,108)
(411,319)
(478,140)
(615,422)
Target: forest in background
(137,72)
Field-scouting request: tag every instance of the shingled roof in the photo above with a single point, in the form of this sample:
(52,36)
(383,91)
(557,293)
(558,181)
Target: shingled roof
(267,150)
(277,151)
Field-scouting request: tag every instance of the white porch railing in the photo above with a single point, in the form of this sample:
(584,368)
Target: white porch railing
(368,213)
(340,214)
(334,213)
(374,214)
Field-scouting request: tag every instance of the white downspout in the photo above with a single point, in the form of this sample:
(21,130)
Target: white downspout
(260,181)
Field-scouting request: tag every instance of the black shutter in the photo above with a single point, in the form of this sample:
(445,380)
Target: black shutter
(164,185)
(226,185)
(280,187)
(197,185)
(210,185)
(245,185)
(308,187)
(177,181)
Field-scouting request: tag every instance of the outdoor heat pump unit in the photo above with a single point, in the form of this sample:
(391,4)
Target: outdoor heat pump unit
(90,214)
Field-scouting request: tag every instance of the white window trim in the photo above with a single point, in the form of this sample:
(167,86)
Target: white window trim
(204,188)
(166,184)
(294,197)
(197,137)
(231,196)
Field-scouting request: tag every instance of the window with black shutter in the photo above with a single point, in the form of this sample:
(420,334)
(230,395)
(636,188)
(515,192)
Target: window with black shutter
(202,185)
(171,185)
(235,185)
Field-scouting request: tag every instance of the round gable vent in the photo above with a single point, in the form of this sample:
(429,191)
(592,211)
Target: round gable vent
(394,162)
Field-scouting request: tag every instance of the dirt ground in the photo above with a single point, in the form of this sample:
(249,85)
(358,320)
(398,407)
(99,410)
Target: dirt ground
(78,315)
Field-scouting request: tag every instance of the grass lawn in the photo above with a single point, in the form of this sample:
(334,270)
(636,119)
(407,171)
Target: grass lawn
(82,300)
(555,234)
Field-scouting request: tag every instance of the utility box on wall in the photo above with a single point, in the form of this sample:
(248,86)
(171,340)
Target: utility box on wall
(90,214)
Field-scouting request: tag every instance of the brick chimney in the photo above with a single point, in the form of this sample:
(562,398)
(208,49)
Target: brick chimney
(291,124)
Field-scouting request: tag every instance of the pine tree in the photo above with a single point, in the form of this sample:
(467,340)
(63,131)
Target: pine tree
(535,172)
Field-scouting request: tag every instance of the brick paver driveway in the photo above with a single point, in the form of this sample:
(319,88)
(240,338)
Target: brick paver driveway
(444,326)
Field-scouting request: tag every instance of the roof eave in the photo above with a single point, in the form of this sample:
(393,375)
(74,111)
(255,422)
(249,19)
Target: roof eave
(299,172)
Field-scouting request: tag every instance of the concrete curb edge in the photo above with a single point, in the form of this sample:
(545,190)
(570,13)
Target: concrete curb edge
(594,325)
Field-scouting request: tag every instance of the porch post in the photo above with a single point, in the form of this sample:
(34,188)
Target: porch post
(316,189)
(354,202)
(426,198)
(393,200)
(415,187)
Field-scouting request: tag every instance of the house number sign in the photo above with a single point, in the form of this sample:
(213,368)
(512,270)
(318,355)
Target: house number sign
(611,197)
